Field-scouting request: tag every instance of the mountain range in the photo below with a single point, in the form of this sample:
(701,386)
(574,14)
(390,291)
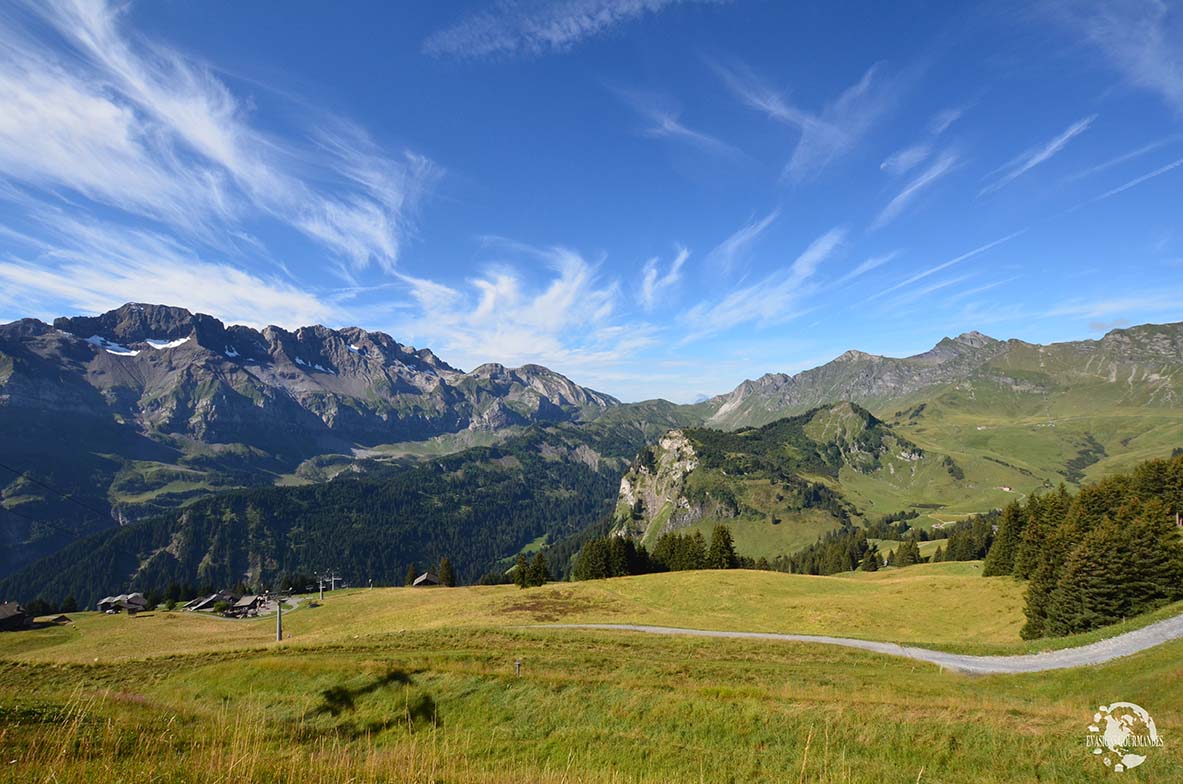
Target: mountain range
(143,412)
(141,409)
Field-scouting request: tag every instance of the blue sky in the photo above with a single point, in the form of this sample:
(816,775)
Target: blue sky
(656,198)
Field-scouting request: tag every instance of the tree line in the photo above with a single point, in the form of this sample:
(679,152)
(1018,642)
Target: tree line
(1111,551)
(618,556)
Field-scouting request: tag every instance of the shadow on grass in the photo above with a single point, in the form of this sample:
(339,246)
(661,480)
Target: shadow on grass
(418,709)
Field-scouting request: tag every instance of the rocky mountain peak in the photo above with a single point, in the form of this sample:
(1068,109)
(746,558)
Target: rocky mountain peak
(137,322)
(974,339)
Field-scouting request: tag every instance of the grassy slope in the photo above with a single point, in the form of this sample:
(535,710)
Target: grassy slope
(591,706)
(920,605)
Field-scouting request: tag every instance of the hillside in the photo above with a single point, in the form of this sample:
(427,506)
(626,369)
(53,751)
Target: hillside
(915,605)
(148,407)
(781,485)
(1011,413)
(476,507)
(417,685)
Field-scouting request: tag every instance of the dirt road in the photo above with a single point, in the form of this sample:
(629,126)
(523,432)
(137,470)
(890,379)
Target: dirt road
(1083,656)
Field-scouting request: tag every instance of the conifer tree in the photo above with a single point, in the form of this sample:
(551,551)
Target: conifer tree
(721,554)
(871,560)
(411,574)
(537,573)
(521,569)
(447,575)
(1090,592)
(1001,558)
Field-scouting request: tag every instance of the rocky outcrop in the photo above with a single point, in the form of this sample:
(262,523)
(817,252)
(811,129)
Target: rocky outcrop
(652,498)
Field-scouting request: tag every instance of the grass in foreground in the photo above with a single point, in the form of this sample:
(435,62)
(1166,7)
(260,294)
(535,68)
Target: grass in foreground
(436,706)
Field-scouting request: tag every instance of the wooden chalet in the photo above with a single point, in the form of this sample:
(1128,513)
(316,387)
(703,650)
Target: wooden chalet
(13,617)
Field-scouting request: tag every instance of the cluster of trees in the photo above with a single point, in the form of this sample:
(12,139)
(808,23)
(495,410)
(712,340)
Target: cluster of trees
(1109,552)
(844,549)
(849,547)
(616,556)
(532,573)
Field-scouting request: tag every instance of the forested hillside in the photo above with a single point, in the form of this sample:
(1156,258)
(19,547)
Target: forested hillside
(476,508)
(1112,551)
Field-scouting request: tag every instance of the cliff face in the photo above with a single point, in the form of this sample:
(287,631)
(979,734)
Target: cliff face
(653,498)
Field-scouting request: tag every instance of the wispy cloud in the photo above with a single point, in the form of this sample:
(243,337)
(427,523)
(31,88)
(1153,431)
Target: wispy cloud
(909,297)
(1138,180)
(665,122)
(939,168)
(943,119)
(92,267)
(1140,38)
(1032,158)
(1124,157)
(654,283)
(953,299)
(873,263)
(829,134)
(568,320)
(731,250)
(92,110)
(903,161)
(1138,304)
(537,27)
(919,276)
(772,300)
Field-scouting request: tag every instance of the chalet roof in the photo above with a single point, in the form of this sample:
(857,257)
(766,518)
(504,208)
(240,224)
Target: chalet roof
(10,610)
(246,601)
(427,578)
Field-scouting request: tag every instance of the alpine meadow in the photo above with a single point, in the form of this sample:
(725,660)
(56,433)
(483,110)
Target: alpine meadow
(605,391)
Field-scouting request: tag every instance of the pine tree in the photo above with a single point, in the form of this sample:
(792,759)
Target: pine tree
(592,561)
(1090,592)
(939,555)
(871,561)
(411,574)
(70,604)
(521,569)
(721,554)
(1001,558)
(447,575)
(908,553)
(537,573)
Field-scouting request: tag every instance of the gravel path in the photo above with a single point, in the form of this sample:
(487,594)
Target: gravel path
(1085,655)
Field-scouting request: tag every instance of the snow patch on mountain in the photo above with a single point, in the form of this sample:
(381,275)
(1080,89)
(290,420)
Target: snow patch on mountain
(111,347)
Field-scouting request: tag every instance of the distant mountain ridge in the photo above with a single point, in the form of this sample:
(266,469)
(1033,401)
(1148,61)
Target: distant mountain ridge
(1148,357)
(147,406)
(113,418)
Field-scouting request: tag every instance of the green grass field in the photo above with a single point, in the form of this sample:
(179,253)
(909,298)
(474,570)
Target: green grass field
(413,685)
